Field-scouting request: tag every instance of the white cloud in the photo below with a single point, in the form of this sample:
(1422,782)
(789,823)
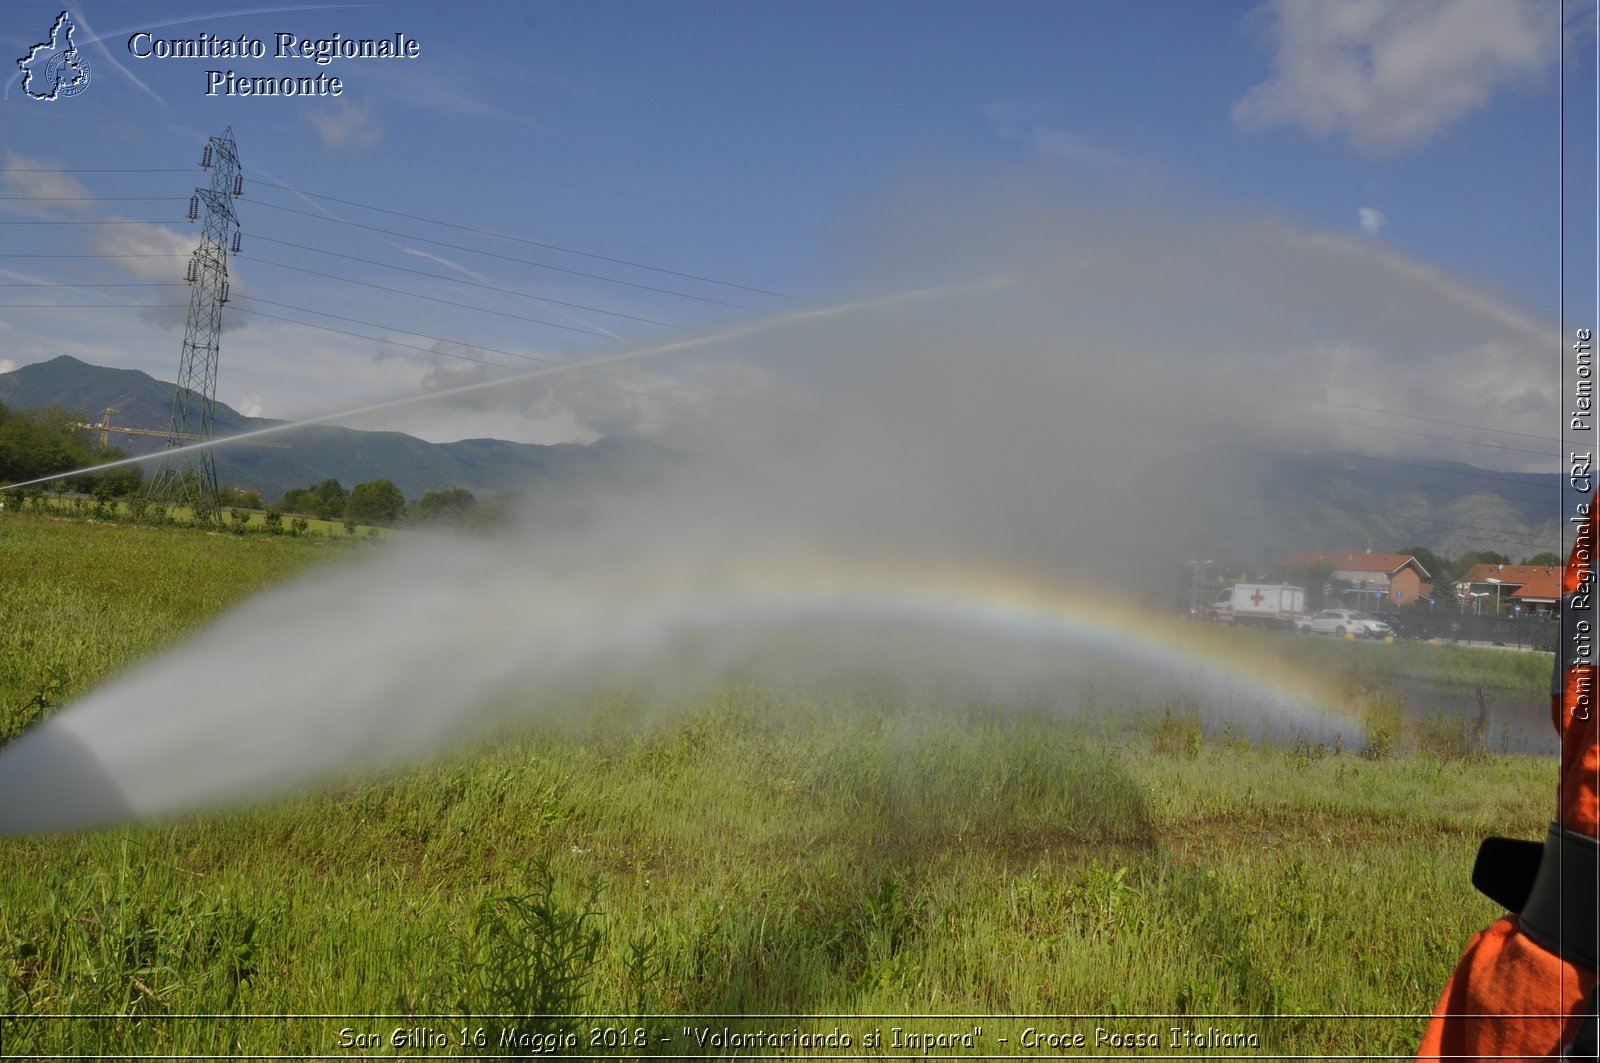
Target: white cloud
(667,404)
(147,252)
(250,406)
(56,194)
(1296,313)
(7,365)
(158,254)
(1392,74)
(1058,143)
(1372,220)
(1026,124)
(347,125)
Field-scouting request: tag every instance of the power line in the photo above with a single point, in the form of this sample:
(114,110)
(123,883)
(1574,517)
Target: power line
(1432,468)
(511,354)
(1369,478)
(470,250)
(416,272)
(434,276)
(444,339)
(532,243)
(96,306)
(1427,520)
(1366,477)
(452,280)
(470,284)
(462,357)
(91,284)
(410,295)
(1425,435)
(416,217)
(54,119)
(441,339)
(492,254)
(392,342)
(95,254)
(1432,420)
(95,199)
(434,299)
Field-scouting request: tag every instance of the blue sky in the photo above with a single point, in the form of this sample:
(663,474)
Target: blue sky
(1384,174)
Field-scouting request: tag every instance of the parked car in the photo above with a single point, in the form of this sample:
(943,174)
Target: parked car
(1341,622)
(1402,628)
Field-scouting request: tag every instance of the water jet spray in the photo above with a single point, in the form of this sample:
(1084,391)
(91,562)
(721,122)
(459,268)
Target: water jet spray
(736,332)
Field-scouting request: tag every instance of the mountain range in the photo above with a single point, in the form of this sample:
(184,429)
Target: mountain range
(1277,501)
(316,452)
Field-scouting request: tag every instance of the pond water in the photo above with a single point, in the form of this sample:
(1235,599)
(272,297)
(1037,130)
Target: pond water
(1512,721)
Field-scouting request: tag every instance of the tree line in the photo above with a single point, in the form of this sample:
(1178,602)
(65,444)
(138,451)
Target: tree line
(1443,570)
(380,502)
(44,442)
(48,441)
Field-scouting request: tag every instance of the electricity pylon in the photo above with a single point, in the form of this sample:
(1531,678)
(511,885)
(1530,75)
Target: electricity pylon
(190,478)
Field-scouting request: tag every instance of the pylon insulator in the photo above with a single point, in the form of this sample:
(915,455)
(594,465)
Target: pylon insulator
(192,268)
(238,184)
(236,238)
(194,207)
(205,158)
(223,297)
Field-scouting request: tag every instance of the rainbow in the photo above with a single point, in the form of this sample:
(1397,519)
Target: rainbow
(130,750)
(1011,607)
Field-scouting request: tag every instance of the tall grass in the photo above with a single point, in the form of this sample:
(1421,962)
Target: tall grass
(748,852)
(765,855)
(1442,663)
(78,601)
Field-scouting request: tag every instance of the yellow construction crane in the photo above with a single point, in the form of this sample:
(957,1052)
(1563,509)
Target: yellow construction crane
(105,430)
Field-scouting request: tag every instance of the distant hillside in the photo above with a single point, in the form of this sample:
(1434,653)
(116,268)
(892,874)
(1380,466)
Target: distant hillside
(1266,504)
(1318,500)
(483,466)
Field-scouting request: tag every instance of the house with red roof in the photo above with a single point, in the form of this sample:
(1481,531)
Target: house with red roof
(1537,588)
(1396,578)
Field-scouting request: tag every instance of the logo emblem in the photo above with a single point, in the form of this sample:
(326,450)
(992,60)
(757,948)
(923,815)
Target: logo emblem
(55,69)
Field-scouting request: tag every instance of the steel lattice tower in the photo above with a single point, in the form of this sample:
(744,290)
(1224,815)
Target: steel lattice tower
(191,478)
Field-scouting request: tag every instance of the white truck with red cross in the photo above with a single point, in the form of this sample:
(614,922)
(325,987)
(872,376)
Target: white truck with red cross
(1260,604)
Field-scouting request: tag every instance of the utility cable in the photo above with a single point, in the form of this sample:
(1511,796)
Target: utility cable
(384,339)
(458,357)
(453,280)
(492,254)
(432,299)
(532,243)
(93,199)
(91,284)
(95,254)
(80,169)
(1434,468)
(1425,435)
(1431,420)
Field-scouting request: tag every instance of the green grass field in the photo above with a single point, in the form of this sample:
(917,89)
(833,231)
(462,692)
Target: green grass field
(756,852)
(252,521)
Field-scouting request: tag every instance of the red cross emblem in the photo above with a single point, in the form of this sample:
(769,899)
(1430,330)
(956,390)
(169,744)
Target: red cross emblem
(1257,598)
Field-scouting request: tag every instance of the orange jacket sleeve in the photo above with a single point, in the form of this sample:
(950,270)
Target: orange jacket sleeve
(1511,998)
